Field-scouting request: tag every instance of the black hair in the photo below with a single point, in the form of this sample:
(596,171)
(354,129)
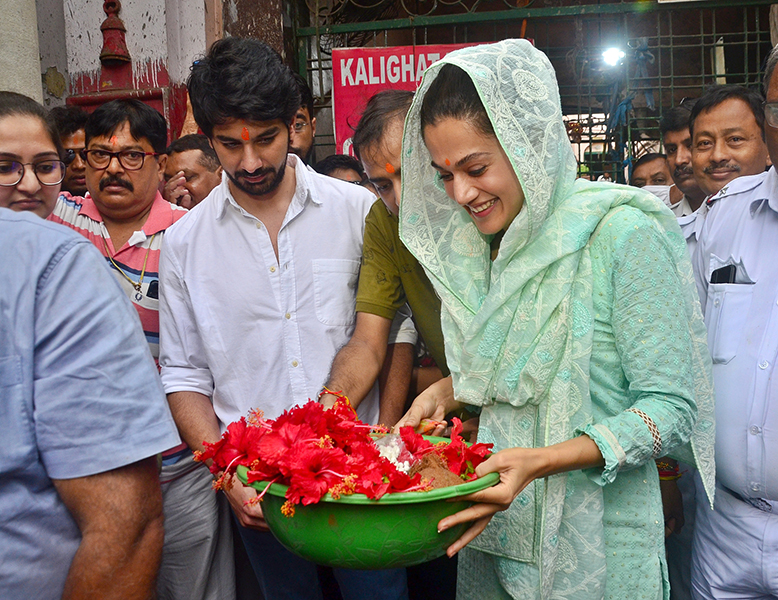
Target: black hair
(646,158)
(338,161)
(675,119)
(241,78)
(306,96)
(381,110)
(12,104)
(68,119)
(145,122)
(196,141)
(717,94)
(453,95)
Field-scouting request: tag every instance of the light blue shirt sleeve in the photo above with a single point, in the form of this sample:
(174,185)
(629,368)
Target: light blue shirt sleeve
(79,394)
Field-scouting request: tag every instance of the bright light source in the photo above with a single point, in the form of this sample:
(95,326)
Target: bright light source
(613,56)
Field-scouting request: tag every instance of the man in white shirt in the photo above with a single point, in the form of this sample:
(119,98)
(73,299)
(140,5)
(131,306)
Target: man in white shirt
(726,128)
(677,142)
(258,288)
(727,131)
(736,545)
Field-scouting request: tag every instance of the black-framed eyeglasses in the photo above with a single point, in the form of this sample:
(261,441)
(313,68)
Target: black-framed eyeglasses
(771,113)
(130,160)
(48,172)
(299,126)
(70,155)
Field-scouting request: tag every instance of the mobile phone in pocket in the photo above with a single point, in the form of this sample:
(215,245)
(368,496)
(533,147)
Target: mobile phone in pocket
(725,274)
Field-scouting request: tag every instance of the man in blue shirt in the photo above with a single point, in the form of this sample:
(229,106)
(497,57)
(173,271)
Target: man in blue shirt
(82,417)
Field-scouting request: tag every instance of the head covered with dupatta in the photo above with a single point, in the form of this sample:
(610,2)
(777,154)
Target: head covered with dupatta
(518,329)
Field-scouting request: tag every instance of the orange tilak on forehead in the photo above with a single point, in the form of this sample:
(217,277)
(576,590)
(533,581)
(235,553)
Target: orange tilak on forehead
(245,133)
(114,140)
(448,163)
(389,168)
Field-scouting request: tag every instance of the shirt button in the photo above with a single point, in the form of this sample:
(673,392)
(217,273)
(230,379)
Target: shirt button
(755,487)
(259,225)
(754,430)
(288,316)
(716,302)
(272,269)
(294,363)
(764,364)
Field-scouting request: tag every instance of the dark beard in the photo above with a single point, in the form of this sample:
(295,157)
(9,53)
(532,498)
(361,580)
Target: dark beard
(258,189)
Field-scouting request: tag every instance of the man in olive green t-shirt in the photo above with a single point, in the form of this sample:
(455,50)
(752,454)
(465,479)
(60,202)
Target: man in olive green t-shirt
(390,276)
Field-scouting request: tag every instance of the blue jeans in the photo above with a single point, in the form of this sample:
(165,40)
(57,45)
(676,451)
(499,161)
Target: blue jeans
(283,575)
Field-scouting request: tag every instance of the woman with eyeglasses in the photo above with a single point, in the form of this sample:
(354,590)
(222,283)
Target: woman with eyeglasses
(31,169)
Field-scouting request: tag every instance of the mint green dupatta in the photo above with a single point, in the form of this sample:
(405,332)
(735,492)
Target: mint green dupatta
(518,330)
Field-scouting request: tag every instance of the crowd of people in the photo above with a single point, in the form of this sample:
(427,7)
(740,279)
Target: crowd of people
(153,294)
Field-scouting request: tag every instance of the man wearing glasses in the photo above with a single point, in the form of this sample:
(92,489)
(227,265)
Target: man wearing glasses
(125,217)
(735,551)
(70,122)
(304,124)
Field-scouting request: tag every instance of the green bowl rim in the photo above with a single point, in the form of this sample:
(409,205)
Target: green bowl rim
(453,491)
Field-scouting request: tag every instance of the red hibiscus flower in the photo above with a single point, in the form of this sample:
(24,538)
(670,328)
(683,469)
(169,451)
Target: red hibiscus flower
(461,458)
(314,471)
(315,451)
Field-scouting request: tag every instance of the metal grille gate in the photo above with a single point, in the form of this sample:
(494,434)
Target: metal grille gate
(663,53)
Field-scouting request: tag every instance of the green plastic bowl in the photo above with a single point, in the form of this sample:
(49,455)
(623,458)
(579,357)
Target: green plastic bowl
(355,532)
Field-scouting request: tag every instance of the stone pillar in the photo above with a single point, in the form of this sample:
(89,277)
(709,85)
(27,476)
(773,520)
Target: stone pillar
(19,58)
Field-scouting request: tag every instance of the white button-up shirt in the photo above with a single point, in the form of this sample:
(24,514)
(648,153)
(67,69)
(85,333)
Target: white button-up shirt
(741,229)
(691,226)
(250,330)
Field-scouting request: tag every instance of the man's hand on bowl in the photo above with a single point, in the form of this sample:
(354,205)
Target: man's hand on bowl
(247,509)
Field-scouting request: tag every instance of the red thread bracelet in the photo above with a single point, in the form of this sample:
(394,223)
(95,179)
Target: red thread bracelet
(339,395)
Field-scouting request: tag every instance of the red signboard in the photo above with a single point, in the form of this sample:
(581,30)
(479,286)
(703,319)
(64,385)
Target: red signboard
(358,73)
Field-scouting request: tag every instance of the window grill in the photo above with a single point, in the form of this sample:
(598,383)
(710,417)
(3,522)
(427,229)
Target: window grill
(671,51)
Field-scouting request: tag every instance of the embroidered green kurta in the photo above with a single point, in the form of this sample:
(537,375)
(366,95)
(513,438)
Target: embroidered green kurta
(587,322)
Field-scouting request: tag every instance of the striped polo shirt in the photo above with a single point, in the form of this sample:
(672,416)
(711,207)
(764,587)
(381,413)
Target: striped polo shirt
(81,214)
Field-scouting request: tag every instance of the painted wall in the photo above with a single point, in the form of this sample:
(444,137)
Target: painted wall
(185,36)
(163,38)
(53,54)
(19,62)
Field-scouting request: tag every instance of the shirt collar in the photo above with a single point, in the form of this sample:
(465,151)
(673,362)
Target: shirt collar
(89,209)
(739,185)
(697,218)
(304,189)
(161,216)
(768,191)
